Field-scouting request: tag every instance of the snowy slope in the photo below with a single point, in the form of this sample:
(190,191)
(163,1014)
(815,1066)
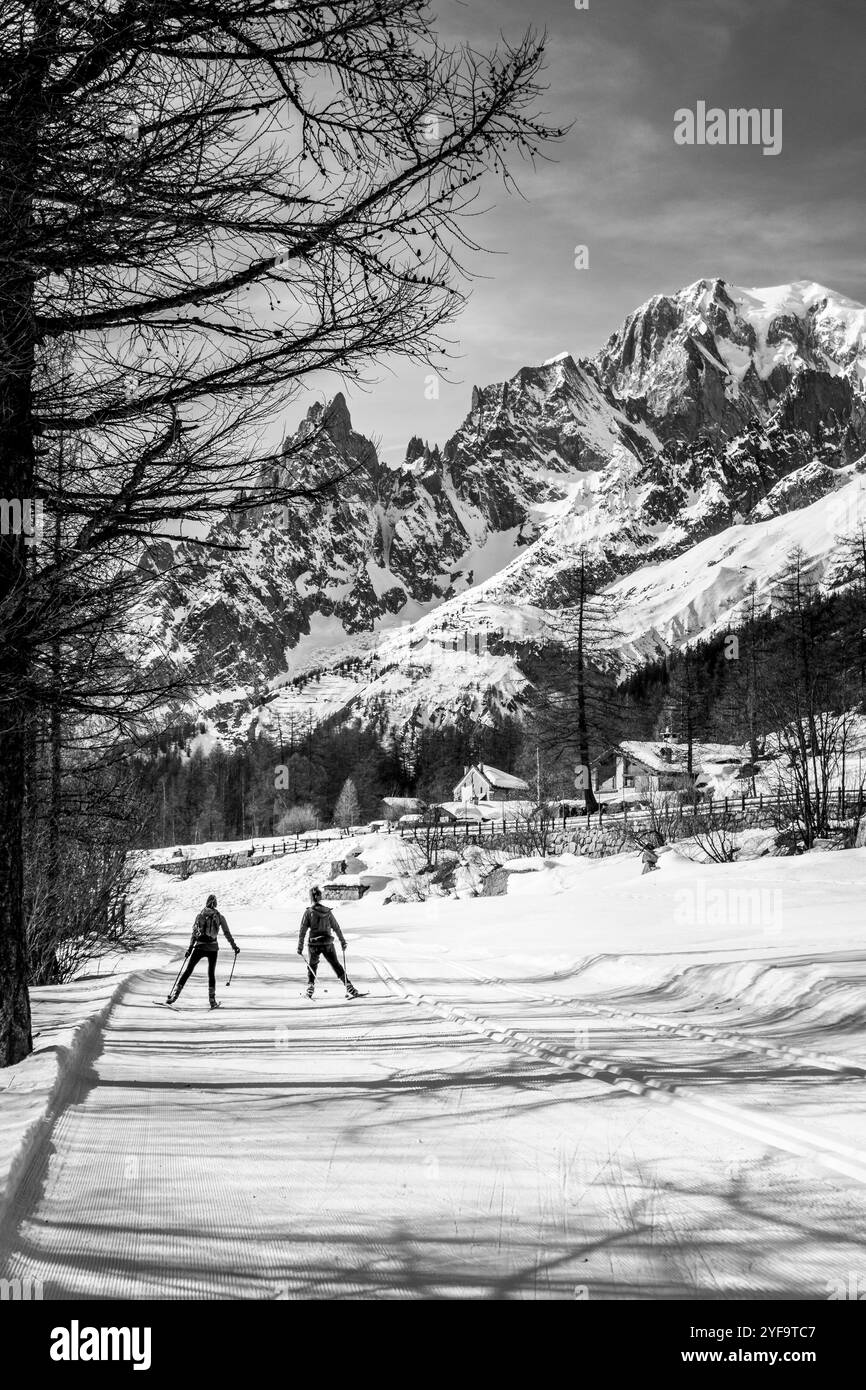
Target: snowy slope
(666,1104)
(702,592)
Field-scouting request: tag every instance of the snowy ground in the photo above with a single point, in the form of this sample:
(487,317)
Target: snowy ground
(603,1086)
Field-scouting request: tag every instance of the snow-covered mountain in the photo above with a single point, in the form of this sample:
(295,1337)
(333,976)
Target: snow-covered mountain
(707,359)
(715,430)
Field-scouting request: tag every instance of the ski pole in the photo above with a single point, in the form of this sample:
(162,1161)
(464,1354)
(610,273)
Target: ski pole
(345,972)
(234,963)
(311,981)
(179,973)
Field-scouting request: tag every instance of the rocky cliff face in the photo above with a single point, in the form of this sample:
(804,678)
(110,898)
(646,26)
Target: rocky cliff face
(706,410)
(705,361)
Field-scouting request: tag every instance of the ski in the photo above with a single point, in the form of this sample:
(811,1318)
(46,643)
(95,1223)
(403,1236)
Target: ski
(359,994)
(164,1004)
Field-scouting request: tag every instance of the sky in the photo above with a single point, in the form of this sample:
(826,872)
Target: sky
(654,215)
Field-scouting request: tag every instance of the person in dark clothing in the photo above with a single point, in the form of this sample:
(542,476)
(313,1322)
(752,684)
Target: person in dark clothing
(204,945)
(322,926)
(650,860)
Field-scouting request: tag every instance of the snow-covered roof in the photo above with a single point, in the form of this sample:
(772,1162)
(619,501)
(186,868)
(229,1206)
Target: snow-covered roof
(403,803)
(650,754)
(462,810)
(703,754)
(497,778)
(495,811)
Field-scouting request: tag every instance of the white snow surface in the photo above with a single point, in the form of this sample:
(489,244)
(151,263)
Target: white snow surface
(702,592)
(602,1085)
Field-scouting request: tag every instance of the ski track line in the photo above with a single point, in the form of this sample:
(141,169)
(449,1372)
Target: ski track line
(779,1134)
(47,1163)
(820,1061)
(265,1273)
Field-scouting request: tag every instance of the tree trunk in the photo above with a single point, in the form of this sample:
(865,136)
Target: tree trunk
(590,803)
(19,124)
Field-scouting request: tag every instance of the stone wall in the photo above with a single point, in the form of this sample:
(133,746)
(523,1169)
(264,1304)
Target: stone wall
(345,892)
(596,839)
(183,868)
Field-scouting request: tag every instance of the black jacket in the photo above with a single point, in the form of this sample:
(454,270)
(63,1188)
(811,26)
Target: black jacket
(205,932)
(322,925)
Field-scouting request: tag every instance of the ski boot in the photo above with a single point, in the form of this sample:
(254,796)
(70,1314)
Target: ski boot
(214,1005)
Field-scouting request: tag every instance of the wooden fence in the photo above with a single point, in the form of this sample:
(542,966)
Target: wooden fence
(739,809)
(736,809)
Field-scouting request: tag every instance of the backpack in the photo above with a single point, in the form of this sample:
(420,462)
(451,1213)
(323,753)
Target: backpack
(321,922)
(207,925)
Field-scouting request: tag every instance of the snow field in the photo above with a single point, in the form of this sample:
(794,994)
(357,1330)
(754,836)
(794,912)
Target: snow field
(594,1087)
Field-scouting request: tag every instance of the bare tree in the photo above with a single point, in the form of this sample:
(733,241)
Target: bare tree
(202,202)
(686,704)
(811,711)
(664,819)
(348,808)
(579,717)
(713,834)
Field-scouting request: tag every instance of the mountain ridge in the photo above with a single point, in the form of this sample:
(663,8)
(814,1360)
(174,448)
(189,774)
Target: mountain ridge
(713,408)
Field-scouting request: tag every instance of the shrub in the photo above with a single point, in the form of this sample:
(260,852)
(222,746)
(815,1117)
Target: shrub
(297,819)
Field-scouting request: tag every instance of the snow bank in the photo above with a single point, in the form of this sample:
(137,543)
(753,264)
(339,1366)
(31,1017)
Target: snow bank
(67,1025)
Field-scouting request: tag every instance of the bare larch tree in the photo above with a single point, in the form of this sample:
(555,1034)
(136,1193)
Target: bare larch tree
(202,203)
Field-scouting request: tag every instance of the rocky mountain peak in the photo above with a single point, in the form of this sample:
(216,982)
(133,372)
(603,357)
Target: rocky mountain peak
(709,410)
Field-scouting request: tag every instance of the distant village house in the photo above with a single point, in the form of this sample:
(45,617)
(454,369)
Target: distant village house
(636,768)
(485,783)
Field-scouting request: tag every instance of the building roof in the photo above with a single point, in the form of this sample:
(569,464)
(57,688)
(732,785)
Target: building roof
(404,803)
(462,810)
(497,778)
(703,754)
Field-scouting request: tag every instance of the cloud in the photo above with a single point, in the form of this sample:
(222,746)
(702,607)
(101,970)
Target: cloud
(654,215)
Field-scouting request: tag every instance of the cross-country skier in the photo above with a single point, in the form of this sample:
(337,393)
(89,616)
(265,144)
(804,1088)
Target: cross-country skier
(204,945)
(323,926)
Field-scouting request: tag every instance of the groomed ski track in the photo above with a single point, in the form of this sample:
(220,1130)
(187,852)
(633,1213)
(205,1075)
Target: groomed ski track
(455,1134)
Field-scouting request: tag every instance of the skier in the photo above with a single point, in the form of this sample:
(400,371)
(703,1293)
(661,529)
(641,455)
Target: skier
(322,925)
(650,860)
(204,945)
